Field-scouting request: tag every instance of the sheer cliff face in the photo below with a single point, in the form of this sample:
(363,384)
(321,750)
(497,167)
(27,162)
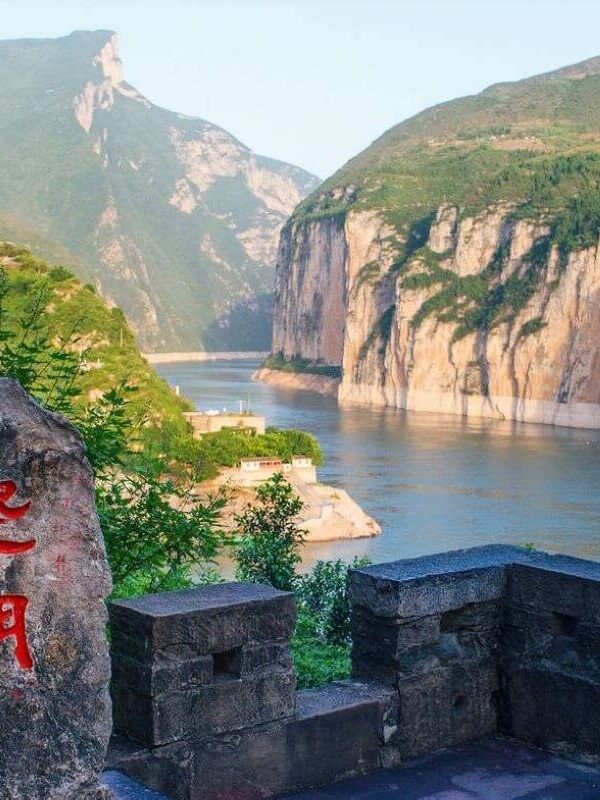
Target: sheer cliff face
(405,335)
(453,265)
(177,221)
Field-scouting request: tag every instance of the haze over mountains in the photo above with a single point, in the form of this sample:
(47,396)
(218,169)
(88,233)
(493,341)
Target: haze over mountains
(170,217)
(454,266)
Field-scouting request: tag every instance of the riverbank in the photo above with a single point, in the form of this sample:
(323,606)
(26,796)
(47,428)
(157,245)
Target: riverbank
(432,482)
(199,356)
(303,381)
(328,514)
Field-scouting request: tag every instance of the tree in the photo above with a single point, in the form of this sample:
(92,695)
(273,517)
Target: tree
(269,538)
(156,529)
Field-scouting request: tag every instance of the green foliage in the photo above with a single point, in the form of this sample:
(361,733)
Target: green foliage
(278,361)
(578,226)
(57,325)
(532,326)
(268,551)
(482,301)
(225,448)
(269,538)
(321,644)
(368,274)
(156,531)
(323,594)
(317,663)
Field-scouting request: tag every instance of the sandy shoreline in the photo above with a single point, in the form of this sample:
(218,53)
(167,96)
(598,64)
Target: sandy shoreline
(174,358)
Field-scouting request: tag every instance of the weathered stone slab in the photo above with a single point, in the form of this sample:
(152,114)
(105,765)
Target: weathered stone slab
(447,706)
(433,584)
(337,732)
(551,708)
(212,619)
(576,595)
(54,667)
(228,704)
(161,676)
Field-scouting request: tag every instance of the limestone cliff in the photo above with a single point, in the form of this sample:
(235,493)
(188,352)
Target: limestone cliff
(454,265)
(399,338)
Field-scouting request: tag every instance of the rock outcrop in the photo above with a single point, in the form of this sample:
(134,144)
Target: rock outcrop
(55,712)
(399,347)
(454,266)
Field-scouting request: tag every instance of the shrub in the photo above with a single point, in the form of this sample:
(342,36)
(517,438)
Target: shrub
(268,536)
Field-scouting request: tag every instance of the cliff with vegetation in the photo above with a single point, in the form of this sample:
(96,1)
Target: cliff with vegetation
(169,217)
(454,265)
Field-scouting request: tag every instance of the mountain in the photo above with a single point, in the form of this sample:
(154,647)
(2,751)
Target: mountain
(39,301)
(171,217)
(453,266)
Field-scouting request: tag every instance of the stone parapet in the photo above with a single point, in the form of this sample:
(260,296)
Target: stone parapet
(446,649)
(491,639)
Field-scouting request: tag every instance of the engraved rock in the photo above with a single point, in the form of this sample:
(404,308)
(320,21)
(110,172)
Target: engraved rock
(55,715)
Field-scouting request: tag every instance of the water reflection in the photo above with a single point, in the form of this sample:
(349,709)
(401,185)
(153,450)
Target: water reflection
(433,482)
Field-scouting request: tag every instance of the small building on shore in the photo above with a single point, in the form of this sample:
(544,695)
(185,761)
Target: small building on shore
(255,470)
(203,422)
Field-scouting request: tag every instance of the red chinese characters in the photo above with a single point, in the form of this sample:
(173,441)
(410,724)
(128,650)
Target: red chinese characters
(13,607)
(12,624)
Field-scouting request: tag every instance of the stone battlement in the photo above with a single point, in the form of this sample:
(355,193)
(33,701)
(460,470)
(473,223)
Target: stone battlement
(446,649)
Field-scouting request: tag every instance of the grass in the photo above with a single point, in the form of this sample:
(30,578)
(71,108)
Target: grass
(279,362)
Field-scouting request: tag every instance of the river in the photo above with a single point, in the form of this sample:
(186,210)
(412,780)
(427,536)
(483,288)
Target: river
(432,482)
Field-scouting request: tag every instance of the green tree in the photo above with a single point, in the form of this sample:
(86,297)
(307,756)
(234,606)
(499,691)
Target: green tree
(155,528)
(269,538)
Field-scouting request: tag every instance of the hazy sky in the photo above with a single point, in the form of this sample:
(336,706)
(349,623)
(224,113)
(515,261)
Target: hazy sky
(315,81)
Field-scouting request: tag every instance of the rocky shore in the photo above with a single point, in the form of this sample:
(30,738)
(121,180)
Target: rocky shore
(304,381)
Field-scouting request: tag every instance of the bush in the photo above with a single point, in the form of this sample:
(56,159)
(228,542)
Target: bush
(227,447)
(155,529)
(268,552)
(323,594)
(268,537)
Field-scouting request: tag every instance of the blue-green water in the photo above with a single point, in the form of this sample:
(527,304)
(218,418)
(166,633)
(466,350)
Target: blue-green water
(432,482)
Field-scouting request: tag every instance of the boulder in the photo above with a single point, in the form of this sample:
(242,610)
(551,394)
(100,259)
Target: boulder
(55,714)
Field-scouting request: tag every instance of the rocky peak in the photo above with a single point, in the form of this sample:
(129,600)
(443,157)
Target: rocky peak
(109,61)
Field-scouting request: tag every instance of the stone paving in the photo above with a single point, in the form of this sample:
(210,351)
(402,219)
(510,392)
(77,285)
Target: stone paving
(125,789)
(490,769)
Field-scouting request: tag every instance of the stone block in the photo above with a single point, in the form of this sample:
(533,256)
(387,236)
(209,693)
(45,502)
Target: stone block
(212,619)
(553,709)
(433,584)
(253,658)
(445,707)
(336,733)
(228,704)
(575,594)
(160,676)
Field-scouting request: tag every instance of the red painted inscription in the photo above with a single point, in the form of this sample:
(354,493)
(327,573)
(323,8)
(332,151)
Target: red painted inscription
(7,491)
(12,625)
(14,606)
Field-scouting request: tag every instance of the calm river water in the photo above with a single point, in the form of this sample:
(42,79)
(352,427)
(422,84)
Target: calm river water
(432,482)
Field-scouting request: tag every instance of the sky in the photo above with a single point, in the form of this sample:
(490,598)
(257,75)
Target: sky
(314,82)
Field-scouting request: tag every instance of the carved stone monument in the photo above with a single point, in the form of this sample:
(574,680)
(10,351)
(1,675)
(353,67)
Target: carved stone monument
(55,716)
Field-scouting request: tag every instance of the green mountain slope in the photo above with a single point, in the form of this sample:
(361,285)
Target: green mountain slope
(175,219)
(74,316)
(535,143)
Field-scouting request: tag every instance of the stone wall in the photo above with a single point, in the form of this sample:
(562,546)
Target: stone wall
(488,640)
(446,649)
